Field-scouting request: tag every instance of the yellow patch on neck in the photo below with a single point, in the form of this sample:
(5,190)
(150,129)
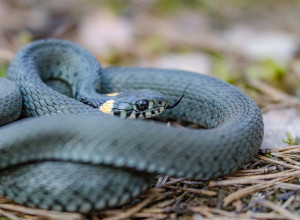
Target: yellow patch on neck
(112,94)
(107,107)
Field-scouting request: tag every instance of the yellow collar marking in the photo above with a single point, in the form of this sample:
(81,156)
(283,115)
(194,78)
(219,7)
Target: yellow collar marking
(112,94)
(107,107)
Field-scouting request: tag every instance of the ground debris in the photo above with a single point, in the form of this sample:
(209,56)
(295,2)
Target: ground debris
(268,189)
(264,192)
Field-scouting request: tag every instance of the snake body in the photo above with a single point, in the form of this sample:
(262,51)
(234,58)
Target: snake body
(80,159)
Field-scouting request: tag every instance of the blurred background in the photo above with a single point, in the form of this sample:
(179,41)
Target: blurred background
(253,46)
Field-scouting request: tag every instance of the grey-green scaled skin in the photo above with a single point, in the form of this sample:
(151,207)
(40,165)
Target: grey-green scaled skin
(10,101)
(84,160)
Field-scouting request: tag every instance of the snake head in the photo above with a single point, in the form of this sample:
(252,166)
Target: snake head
(135,104)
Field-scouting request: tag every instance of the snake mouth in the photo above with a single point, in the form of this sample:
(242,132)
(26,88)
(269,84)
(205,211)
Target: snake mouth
(153,112)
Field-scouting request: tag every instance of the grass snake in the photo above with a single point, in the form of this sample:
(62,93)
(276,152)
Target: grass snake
(80,159)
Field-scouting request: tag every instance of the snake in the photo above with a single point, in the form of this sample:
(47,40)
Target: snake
(74,147)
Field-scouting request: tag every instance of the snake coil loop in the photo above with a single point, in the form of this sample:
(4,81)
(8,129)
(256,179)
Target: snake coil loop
(80,159)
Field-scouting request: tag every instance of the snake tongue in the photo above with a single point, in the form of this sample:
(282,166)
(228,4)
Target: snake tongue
(169,106)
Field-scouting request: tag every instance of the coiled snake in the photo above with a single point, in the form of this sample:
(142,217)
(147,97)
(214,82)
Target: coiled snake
(84,159)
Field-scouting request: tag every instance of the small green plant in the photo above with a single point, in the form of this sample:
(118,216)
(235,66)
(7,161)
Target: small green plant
(290,140)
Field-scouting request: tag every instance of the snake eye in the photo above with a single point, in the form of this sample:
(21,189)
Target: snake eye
(142,105)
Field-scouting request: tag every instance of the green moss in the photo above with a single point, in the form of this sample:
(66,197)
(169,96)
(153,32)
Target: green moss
(173,6)
(267,70)
(3,69)
(25,36)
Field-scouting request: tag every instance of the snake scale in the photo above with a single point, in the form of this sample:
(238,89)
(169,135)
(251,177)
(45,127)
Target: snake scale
(79,159)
